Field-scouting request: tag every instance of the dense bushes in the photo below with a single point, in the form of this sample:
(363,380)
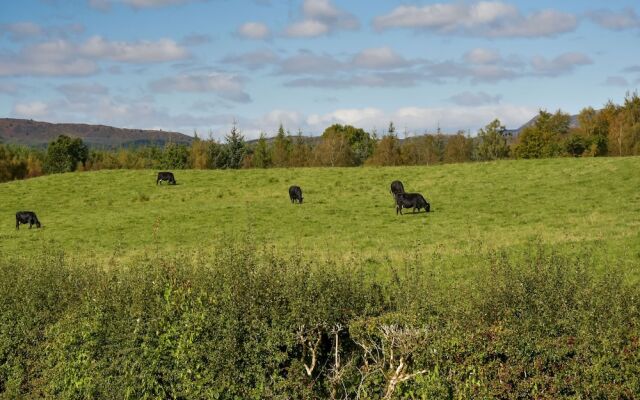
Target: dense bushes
(241,323)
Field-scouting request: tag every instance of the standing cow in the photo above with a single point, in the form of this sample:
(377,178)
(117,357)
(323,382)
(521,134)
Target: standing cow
(411,200)
(295,193)
(397,187)
(166,176)
(27,217)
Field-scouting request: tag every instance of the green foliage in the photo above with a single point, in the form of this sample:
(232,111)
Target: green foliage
(281,148)
(241,322)
(174,156)
(235,148)
(543,139)
(360,142)
(493,142)
(64,154)
(261,153)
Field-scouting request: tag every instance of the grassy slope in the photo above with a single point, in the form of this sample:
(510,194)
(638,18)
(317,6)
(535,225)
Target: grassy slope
(496,205)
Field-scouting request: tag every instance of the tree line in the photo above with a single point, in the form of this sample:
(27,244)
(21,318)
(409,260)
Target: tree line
(613,130)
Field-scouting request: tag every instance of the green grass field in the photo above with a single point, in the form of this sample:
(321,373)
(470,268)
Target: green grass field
(346,211)
(522,283)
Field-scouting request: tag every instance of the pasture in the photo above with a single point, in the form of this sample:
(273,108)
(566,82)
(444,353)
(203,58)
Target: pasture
(347,212)
(522,283)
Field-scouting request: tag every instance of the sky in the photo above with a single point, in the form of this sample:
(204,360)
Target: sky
(203,65)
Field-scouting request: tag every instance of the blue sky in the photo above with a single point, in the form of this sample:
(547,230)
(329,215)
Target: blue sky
(200,65)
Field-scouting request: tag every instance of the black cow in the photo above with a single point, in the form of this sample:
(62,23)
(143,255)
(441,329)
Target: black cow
(27,217)
(295,193)
(166,176)
(396,187)
(411,200)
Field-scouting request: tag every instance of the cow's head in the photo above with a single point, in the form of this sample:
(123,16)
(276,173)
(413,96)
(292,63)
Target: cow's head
(301,198)
(38,224)
(428,207)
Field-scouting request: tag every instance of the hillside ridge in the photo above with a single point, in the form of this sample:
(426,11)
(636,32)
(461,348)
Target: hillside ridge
(39,134)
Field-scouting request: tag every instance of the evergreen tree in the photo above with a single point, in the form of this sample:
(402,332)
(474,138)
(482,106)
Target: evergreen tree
(261,154)
(281,149)
(236,148)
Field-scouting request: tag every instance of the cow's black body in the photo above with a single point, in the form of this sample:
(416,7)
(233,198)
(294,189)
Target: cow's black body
(295,193)
(27,217)
(411,200)
(166,176)
(397,187)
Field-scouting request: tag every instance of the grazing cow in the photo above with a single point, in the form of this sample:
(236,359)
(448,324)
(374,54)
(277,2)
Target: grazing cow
(411,200)
(396,187)
(295,193)
(27,217)
(166,176)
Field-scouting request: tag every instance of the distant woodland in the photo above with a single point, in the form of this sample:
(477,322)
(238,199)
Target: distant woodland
(613,130)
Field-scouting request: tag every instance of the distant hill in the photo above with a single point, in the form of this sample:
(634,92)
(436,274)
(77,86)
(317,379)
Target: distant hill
(38,134)
(573,123)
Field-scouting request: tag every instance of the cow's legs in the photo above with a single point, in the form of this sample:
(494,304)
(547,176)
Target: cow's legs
(17,224)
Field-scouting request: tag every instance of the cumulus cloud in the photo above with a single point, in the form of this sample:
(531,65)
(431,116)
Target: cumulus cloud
(484,18)
(482,56)
(105,5)
(307,28)
(143,51)
(254,30)
(64,58)
(21,30)
(419,119)
(379,58)
(474,99)
(384,67)
(227,86)
(321,17)
(381,79)
(559,65)
(253,60)
(26,30)
(616,20)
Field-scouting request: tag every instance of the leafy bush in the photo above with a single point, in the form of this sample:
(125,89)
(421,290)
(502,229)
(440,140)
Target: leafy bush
(247,323)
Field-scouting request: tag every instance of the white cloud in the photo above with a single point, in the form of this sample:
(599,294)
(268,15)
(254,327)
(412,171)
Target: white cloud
(617,21)
(143,51)
(321,17)
(379,58)
(22,30)
(105,5)
(559,65)
(482,56)
(484,18)
(65,58)
(306,63)
(253,60)
(254,30)
(419,119)
(307,28)
(474,99)
(227,86)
